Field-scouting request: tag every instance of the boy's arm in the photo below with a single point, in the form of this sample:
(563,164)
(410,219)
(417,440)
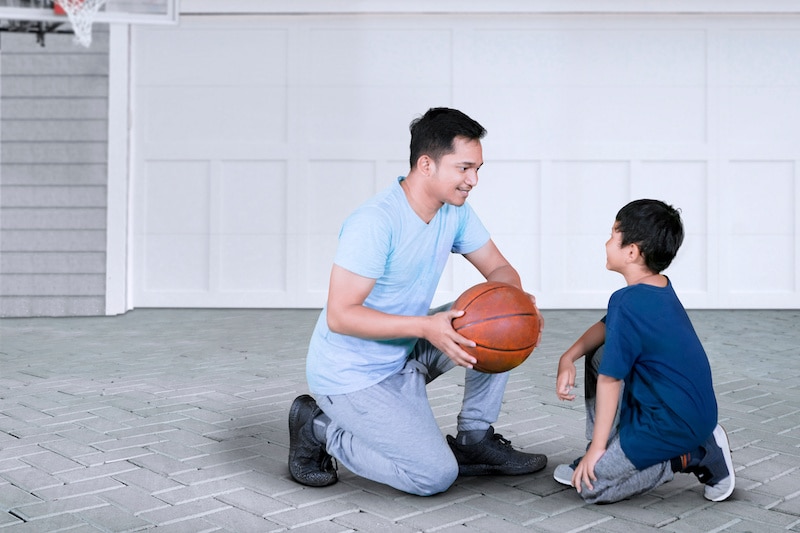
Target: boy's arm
(590,341)
(608,390)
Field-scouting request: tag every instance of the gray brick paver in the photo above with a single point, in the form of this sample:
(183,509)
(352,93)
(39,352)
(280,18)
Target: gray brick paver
(237,520)
(82,488)
(184,405)
(96,472)
(31,479)
(253,502)
(62,522)
(111,518)
(48,509)
(147,480)
(51,463)
(311,514)
(117,456)
(574,520)
(134,500)
(11,497)
(517,513)
(183,511)
(365,521)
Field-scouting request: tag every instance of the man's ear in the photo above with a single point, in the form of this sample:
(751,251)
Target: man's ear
(425,164)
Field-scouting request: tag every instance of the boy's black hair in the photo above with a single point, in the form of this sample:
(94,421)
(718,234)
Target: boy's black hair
(655,227)
(433,133)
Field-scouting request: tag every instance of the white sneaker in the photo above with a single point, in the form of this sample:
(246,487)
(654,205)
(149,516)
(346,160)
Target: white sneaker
(722,486)
(563,474)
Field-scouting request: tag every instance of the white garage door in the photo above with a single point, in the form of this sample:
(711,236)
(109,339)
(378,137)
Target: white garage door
(254,136)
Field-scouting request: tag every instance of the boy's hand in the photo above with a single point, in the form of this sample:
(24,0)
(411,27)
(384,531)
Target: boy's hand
(565,380)
(584,472)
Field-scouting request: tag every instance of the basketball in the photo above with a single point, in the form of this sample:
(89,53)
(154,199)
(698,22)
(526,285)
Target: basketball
(503,323)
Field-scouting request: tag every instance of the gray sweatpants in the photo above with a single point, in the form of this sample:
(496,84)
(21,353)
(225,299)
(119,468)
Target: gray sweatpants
(617,478)
(388,433)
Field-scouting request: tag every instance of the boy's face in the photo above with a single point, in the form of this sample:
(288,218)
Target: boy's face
(616,254)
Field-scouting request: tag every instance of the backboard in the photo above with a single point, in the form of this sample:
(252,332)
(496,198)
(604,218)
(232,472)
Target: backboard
(125,11)
(42,16)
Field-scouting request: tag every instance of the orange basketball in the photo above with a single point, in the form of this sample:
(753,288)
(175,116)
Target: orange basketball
(503,323)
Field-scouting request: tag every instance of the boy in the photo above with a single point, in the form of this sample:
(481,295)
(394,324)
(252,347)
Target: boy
(376,346)
(650,405)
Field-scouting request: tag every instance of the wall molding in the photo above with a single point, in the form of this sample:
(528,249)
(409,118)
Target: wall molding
(733,7)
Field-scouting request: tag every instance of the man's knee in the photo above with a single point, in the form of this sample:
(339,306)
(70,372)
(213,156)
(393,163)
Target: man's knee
(432,478)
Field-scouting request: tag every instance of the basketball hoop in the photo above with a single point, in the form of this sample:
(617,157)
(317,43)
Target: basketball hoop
(81,15)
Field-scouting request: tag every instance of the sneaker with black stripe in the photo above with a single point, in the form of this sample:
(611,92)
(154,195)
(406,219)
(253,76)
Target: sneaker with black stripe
(494,455)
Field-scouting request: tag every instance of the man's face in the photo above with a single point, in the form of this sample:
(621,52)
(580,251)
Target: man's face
(454,176)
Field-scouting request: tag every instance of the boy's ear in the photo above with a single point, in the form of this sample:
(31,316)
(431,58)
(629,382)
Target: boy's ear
(634,253)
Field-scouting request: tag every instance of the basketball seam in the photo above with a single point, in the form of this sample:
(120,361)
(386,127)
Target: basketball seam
(496,317)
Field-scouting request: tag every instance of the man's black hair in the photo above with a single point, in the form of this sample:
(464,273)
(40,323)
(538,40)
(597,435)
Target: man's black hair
(655,227)
(433,133)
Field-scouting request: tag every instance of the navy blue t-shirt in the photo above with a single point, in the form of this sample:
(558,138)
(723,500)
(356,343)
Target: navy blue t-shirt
(668,405)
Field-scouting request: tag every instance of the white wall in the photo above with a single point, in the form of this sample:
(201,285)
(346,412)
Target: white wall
(253,136)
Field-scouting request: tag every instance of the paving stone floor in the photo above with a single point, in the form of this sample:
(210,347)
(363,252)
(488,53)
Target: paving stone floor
(175,420)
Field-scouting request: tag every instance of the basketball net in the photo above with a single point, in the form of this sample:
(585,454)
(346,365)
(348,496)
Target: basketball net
(81,15)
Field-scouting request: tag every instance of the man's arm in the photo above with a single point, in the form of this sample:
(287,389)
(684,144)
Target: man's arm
(495,267)
(347,315)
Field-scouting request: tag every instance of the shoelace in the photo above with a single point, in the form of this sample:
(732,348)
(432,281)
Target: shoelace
(502,440)
(328,462)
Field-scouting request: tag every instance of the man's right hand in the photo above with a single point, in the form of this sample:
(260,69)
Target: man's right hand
(439,332)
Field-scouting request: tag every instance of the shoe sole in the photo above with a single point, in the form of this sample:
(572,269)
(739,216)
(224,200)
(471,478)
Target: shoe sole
(721,438)
(561,479)
(495,470)
(294,428)
(294,435)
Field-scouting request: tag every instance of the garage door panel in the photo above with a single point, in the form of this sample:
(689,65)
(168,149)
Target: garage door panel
(253,197)
(569,117)
(683,184)
(583,57)
(761,115)
(201,56)
(383,113)
(205,114)
(398,56)
(175,263)
(176,197)
(252,263)
(249,153)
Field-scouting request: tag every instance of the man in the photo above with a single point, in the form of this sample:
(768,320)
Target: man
(376,346)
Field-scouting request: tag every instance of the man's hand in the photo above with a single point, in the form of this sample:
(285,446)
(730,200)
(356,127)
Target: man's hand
(439,332)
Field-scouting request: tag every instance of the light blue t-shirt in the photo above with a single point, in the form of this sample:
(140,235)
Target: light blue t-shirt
(384,239)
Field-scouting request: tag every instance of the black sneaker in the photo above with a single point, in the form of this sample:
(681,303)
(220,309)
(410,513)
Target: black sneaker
(309,463)
(494,455)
